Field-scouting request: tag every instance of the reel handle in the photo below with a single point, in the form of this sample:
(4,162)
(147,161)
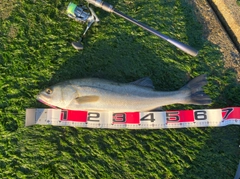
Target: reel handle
(79,14)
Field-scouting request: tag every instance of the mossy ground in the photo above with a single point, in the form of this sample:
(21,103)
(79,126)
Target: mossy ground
(36,51)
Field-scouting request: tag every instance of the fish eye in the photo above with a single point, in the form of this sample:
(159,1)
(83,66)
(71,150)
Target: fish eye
(48,91)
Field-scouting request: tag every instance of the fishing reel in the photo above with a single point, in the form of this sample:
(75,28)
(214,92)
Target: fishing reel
(82,14)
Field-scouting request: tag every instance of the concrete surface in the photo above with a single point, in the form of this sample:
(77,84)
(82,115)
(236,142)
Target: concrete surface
(216,34)
(229,13)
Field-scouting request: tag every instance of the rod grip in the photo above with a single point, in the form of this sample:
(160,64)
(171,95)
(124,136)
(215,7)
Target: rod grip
(186,48)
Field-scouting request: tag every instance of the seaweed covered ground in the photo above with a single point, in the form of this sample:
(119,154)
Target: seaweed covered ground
(36,51)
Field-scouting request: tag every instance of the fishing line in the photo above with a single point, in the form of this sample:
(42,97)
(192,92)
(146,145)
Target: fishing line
(61,11)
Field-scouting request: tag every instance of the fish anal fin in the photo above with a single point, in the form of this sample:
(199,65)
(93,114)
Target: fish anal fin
(144,82)
(87,99)
(157,109)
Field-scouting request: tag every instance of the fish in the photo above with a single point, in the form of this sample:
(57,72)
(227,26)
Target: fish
(93,94)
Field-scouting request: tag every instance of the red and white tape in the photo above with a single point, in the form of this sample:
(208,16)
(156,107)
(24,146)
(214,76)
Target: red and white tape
(134,120)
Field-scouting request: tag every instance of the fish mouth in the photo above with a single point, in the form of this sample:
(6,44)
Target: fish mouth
(44,102)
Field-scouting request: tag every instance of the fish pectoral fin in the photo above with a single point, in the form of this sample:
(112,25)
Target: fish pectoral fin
(87,99)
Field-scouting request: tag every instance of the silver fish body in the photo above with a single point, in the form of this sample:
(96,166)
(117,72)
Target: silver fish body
(92,94)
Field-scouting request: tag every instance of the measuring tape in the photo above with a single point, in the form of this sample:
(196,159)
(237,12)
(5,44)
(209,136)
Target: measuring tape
(134,120)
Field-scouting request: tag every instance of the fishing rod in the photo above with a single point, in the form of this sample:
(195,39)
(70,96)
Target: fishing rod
(78,13)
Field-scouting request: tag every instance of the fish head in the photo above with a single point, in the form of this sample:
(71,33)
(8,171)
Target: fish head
(59,95)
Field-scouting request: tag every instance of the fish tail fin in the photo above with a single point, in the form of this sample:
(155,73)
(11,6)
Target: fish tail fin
(196,93)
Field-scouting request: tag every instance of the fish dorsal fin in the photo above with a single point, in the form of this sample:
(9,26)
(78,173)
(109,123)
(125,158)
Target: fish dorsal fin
(87,99)
(144,82)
